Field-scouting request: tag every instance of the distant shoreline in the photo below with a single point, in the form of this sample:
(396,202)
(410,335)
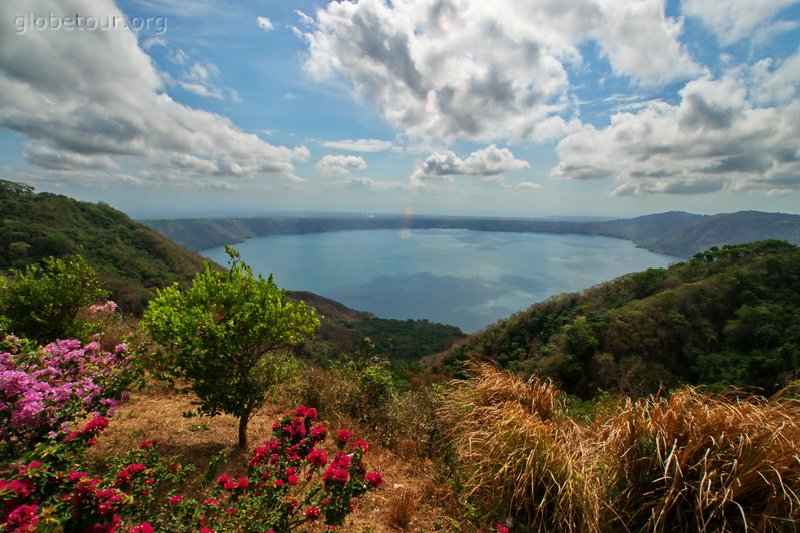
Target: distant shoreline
(674,233)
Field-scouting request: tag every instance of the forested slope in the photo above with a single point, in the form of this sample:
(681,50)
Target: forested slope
(729,316)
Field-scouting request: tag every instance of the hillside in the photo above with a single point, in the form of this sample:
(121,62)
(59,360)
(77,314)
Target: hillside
(131,259)
(343,331)
(730,316)
(675,232)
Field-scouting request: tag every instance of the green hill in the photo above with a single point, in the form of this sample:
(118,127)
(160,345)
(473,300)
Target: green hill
(729,316)
(131,259)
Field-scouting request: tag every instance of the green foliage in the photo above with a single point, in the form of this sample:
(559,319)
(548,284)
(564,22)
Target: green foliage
(131,259)
(728,317)
(43,302)
(224,334)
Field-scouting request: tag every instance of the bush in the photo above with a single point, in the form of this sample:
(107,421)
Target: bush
(42,302)
(45,391)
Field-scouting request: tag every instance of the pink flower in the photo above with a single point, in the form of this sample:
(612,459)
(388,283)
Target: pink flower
(311,413)
(300,410)
(175,500)
(361,445)
(144,527)
(312,513)
(501,528)
(243,482)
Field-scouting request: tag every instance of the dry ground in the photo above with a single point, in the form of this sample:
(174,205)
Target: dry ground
(413,497)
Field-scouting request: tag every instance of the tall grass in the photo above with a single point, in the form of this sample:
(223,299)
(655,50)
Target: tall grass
(705,463)
(687,462)
(521,455)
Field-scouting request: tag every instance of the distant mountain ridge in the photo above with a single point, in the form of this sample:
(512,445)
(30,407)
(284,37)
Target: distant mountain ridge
(675,232)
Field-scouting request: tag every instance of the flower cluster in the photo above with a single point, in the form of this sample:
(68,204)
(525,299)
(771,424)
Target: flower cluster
(108,308)
(289,482)
(44,392)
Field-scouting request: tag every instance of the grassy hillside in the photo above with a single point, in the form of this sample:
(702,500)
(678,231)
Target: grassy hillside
(730,316)
(131,259)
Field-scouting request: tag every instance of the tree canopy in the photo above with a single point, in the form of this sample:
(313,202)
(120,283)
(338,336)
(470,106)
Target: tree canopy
(225,336)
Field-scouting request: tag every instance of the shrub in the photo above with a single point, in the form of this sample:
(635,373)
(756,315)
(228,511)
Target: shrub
(45,391)
(43,302)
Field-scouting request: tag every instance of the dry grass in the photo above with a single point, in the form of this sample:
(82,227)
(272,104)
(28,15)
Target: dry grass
(522,457)
(705,463)
(690,462)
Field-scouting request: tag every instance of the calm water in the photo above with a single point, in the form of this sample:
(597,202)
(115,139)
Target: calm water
(462,277)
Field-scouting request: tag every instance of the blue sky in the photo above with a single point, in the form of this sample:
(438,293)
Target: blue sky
(512,107)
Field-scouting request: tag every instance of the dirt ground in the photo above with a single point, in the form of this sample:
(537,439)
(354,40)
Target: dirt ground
(413,497)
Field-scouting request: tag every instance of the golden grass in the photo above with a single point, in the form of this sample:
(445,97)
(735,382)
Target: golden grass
(705,463)
(522,456)
(690,462)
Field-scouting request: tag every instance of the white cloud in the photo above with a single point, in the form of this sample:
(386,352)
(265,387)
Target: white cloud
(359,145)
(489,162)
(340,165)
(84,108)
(487,70)
(373,185)
(733,20)
(714,139)
(265,24)
(528,186)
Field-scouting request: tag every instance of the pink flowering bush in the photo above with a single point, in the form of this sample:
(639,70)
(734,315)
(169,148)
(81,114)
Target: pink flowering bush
(43,392)
(290,482)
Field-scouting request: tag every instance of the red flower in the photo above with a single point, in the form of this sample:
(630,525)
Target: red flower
(343,436)
(312,513)
(375,478)
(337,474)
(145,444)
(144,527)
(311,413)
(175,500)
(501,528)
(317,458)
(301,410)
(243,482)
(361,445)
(224,478)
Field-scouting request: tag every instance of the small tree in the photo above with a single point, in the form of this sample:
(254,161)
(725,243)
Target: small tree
(223,334)
(43,302)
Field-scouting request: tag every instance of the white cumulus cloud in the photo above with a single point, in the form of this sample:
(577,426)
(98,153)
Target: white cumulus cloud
(714,139)
(489,162)
(340,165)
(81,108)
(359,145)
(488,70)
(265,23)
(732,20)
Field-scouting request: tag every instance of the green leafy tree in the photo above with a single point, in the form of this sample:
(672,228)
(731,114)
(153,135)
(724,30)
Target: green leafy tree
(43,301)
(227,336)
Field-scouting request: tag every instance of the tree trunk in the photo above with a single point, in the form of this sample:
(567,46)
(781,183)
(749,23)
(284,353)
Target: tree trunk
(243,420)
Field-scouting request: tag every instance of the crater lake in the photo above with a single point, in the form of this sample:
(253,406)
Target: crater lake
(466,278)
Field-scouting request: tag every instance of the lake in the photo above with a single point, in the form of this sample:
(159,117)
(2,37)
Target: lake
(462,277)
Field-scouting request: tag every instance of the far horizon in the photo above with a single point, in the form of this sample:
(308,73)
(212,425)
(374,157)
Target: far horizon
(523,109)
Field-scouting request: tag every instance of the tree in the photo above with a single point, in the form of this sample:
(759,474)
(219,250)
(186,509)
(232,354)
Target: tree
(43,302)
(224,336)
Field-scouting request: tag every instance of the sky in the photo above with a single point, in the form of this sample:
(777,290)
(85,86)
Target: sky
(534,108)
